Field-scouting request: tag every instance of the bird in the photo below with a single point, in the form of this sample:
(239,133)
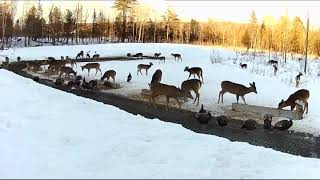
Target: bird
(203,118)
(129,77)
(202,110)
(222,121)
(283,125)
(267,122)
(249,124)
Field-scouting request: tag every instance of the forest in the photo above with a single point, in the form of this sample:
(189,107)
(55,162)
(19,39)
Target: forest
(134,22)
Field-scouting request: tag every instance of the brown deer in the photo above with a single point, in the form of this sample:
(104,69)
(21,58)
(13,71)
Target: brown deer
(18,58)
(67,71)
(194,71)
(192,84)
(162,58)
(71,62)
(298,79)
(139,55)
(144,66)
(243,66)
(108,74)
(275,69)
(156,77)
(176,56)
(273,62)
(92,66)
(302,95)
(51,59)
(96,57)
(169,91)
(62,58)
(34,66)
(79,54)
(237,89)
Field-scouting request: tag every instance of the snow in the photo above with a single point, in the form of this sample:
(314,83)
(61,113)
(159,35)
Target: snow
(271,89)
(46,133)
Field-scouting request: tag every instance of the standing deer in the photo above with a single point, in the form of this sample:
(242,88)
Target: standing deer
(51,59)
(302,95)
(298,79)
(139,55)
(108,74)
(18,58)
(194,71)
(80,54)
(156,77)
(88,55)
(92,66)
(162,58)
(275,69)
(237,89)
(176,56)
(62,58)
(169,91)
(243,66)
(192,84)
(157,54)
(144,66)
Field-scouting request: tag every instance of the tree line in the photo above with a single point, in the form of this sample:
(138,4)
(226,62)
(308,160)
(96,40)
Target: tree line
(133,22)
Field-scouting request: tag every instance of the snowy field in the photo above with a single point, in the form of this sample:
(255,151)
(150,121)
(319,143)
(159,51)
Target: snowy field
(271,89)
(46,133)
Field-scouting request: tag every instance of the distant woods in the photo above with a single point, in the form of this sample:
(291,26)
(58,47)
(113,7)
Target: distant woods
(133,22)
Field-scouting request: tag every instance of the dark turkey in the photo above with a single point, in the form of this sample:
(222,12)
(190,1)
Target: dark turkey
(283,125)
(249,124)
(203,118)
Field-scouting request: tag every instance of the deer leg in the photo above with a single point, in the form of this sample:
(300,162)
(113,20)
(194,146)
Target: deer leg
(88,72)
(242,97)
(96,71)
(237,98)
(100,71)
(140,71)
(137,72)
(197,97)
(189,75)
(146,71)
(167,103)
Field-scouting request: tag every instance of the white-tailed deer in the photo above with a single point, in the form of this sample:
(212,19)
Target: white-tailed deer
(88,55)
(129,77)
(168,91)
(108,74)
(298,79)
(195,71)
(194,85)
(92,66)
(51,59)
(237,89)
(139,55)
(18,58)
(79,54)
(62,58)
(67,71)
(144,66)
(243,66)
(302,95)
(96,57)
(156,77)
(176,56)
(162,58)
(71,62)
(157,54)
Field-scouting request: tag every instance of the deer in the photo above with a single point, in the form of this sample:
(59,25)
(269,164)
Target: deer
(96,57)
(18,58)
(139,55)
(168,91)
(237,89)
(71,62)
(92,66)
(62,58)
(156,77)
(108,74)
(51,59)
(176,56)
(88,55)
(302,95)
(144,66)
(67,71)
(273,62)
(129,77)
(79,54)
(243,66)
(298,79)
(157,54)
(194,85)
(35,66)
(194,71)
(275,69)
(162,58)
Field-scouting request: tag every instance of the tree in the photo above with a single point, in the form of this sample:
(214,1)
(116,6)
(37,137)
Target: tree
(124,6)
(69,25)
(194,31)
(171,20)
(253,27)
(296,35)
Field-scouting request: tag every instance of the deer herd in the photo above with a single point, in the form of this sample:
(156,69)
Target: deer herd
(58,67)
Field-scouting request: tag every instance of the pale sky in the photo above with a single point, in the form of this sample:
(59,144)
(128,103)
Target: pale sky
(237,11)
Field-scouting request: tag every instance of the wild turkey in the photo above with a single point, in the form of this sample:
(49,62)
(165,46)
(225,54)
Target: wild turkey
(267,122)
(203,118)
(129,77)
(249,124)
(202,110)
(283,125)
(222,121)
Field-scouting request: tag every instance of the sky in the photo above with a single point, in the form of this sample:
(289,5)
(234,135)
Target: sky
(237,11)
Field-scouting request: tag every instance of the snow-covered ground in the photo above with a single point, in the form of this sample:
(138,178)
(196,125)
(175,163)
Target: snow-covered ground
(271,89)
(46,133)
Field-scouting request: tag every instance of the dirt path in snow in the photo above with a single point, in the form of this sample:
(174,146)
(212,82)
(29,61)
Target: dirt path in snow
(294,143)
